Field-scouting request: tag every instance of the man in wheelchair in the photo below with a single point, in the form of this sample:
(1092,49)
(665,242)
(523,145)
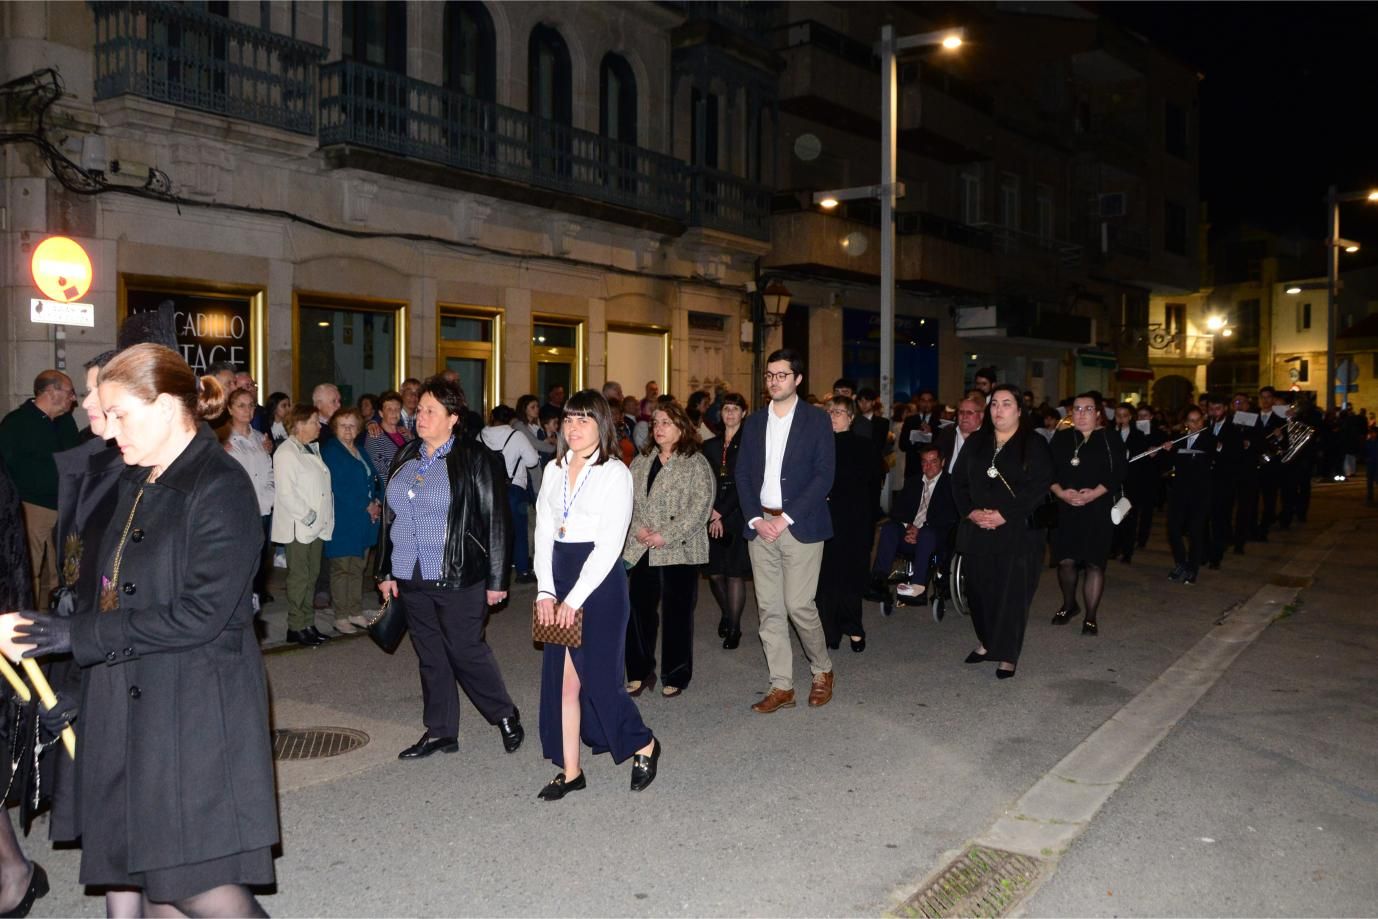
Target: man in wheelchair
(918,532)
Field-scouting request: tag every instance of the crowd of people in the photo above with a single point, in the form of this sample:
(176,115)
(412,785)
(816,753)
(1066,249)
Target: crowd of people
(148,542)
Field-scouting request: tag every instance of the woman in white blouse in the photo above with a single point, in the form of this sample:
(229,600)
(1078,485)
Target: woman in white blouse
(303,518)
(582,515)
(254,451)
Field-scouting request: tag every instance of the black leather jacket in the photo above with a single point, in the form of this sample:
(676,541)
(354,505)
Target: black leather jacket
(476,534)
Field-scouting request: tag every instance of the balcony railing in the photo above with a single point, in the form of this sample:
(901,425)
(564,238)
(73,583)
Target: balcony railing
(184,56)
(723,201)
(1009,241)
(749,17)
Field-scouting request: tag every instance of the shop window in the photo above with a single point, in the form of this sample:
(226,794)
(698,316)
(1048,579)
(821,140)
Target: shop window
(355,344)
(213,322)
(557,355)
(469,340)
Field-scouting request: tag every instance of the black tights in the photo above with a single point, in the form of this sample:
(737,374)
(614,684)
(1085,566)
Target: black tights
(15,869)
(731,596)
(1091,590)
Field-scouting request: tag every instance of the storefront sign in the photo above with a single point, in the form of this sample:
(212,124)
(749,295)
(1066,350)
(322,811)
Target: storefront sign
(210,328)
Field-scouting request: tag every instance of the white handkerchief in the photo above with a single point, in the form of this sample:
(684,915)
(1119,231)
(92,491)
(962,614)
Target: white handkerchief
(1281,410)
(1246,419)
(1145,426)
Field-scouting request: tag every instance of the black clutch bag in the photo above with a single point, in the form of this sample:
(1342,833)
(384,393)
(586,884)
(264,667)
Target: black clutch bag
(388,626)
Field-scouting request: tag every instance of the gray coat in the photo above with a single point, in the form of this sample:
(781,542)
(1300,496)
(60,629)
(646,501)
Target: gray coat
(677,508)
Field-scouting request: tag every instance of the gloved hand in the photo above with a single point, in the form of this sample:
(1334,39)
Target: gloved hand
(48,635)
(52,721)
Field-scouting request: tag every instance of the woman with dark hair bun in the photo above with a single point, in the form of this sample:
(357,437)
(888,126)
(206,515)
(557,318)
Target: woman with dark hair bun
(582,515)
(174,703)
(729,564)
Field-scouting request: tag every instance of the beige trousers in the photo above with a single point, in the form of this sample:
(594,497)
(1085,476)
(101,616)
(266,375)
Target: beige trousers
(38,527)
(786,576)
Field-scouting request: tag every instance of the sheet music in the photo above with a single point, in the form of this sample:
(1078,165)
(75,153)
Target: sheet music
(1280,409)
(1145,426)
(920,437)
(1246,419)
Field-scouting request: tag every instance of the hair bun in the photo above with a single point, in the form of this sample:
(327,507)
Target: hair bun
(210,397)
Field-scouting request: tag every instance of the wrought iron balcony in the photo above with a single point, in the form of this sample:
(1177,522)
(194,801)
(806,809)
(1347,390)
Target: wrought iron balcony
(188,57)
(722,201)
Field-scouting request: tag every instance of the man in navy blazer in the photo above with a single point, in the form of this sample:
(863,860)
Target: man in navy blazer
(784,473)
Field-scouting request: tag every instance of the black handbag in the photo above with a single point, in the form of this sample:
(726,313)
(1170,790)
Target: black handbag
(387,626)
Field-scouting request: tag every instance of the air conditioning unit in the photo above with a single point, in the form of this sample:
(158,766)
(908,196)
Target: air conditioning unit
(1111,204)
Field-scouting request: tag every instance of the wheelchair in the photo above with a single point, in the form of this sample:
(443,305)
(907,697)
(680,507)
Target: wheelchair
(945,588)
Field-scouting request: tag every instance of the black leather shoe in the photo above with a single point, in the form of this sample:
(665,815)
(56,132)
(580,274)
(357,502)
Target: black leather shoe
(558,787)
(428,745)
(858,644)
(975,657)
(1177,573)
(1190,577)
(1064,616)
(512,732)
(1004,674)
(302,638)
(316,635)
(265,597)
(731,640)
(724,627)
(38,888)
(644,767)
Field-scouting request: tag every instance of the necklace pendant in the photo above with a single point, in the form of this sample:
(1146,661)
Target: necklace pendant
(992,472)
(562,532)
(411,493)
(1076,461)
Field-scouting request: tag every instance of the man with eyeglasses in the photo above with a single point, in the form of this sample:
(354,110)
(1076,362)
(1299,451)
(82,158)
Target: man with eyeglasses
(970,413)
(784,474)
(29,436)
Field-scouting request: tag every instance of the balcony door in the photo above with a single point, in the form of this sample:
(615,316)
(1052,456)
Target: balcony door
(617,121)
(470,68)
(375,36)
(550,100)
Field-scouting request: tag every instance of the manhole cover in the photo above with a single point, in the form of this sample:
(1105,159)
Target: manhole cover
(980,882)
(1289,580)
(316,743)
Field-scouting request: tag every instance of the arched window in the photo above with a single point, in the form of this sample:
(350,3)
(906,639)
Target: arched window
(375,32)
(617,94)
(551,91)
(470,50)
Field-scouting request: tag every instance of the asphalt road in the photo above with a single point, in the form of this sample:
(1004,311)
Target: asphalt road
(842,810)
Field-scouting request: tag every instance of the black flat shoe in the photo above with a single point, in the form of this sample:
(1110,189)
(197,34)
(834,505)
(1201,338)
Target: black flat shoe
(558,787)
(975,657)
(1004,674)
(302,638)
(511,730)
(724,628)
(731,640)
(644,766)
(1089,627)
(1064,616)
(858,644)
(428,745)
(38,889)
(316,634)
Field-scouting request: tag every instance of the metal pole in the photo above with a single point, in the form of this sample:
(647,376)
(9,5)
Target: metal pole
(1332,271)
(889,111)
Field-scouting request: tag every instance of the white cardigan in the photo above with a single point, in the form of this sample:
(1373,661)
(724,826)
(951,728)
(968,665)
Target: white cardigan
(303,507)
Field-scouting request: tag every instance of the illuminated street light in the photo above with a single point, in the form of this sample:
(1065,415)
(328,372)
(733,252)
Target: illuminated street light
(1373,196)
(1294,289)
(1215,323)
(828,203)
(1227,332)
(953,42)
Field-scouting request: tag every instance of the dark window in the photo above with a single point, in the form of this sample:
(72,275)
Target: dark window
(470,51)
(1175,319)
(375,32)
(1245,324)
(1175,129)
(617,92)
(1303,317)
(705,151)
(1304,371)
(1174,228)
(550,83)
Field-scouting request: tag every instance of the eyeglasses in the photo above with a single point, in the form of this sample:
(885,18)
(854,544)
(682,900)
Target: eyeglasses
(1084,409)
(838,411)
(968,411)
(780,377)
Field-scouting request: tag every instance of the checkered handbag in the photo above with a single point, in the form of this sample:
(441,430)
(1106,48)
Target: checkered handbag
(552,634)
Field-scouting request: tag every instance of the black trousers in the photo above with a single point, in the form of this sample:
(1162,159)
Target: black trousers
(265,560)
(1245,506)
(1296,490)
(447,632)
(1269,487)
(667,592)
(1222,518)
(1123,538)
(1186,528)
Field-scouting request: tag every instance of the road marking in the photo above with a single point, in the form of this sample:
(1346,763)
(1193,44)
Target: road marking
(1043,823)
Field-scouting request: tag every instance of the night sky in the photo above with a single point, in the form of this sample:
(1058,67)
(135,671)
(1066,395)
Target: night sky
(1287,100)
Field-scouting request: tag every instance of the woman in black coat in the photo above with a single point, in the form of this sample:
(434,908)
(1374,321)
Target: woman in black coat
(1088,468)
(842,577)
(729,563)
(174,792)
(1001,476)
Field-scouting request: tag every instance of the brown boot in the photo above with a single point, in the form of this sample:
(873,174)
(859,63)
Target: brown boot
(822,691)
(775,699)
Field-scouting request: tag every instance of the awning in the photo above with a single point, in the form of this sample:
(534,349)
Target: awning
(1134,374)
(1103,359)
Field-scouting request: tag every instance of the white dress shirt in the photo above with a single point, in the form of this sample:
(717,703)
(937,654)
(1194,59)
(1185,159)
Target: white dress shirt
(258,462)
(957,442)
(777,437)
(600,510)
(928,486)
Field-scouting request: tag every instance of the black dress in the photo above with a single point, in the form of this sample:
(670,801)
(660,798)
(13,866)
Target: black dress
(1001,567)
(1084,533)
(847,555)
(727,555)
(16,592)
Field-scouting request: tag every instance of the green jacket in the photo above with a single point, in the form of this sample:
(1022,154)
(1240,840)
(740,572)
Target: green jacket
(28,440)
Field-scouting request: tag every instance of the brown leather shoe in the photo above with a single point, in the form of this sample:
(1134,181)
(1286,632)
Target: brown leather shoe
(822,691)
(775,699)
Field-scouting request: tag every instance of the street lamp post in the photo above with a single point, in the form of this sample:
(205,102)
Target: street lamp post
(890,189)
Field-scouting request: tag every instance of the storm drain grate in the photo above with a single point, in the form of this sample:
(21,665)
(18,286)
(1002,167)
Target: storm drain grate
(316,743)
(981,882)
(1289,580)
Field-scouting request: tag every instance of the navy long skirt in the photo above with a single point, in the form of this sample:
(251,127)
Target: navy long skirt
(610,720)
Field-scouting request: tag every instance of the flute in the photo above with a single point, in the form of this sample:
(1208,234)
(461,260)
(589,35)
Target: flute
(1153,450)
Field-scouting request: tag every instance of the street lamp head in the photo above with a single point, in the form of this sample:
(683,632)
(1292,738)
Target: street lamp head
(828,203)
(1227,332)
(952,42)
(1373,195)
(1294,289)
(1353,248)
(1215,323)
